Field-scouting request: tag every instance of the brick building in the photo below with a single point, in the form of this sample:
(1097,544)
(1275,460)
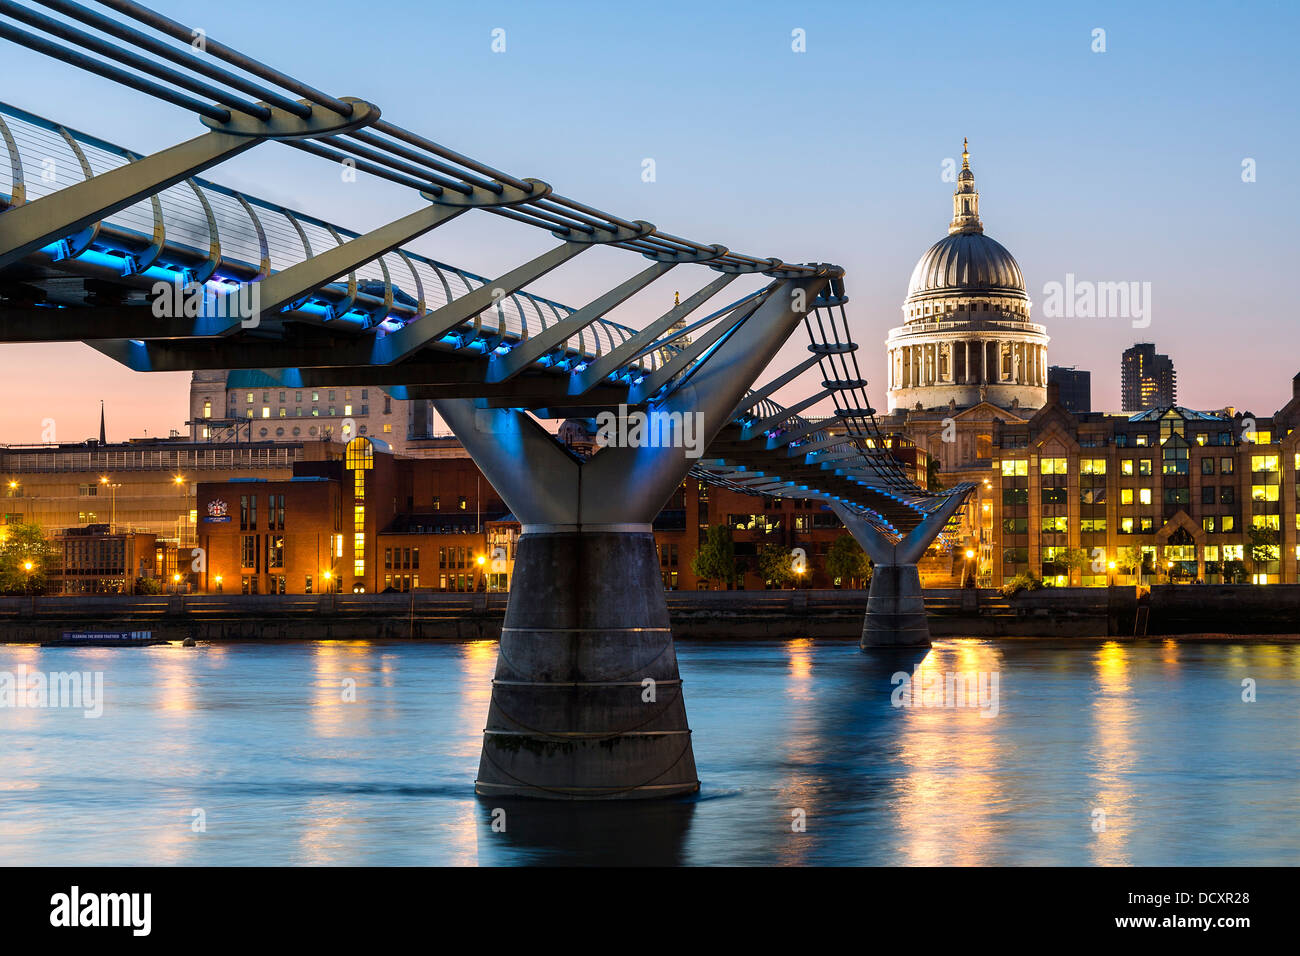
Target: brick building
(373,521)
(1208,496)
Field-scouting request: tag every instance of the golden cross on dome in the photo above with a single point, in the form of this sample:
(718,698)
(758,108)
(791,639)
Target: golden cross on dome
(965,153)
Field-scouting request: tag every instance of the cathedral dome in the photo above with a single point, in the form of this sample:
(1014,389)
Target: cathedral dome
(966,262)
(967,335)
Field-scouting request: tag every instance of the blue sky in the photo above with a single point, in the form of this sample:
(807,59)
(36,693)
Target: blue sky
(1115,166)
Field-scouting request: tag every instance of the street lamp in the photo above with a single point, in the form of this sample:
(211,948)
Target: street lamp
(14,485)
(28,566)
(112,487)
(1110,578)
(179,482)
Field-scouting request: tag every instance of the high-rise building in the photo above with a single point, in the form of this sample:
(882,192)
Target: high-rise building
(1075,387)
(1147,379)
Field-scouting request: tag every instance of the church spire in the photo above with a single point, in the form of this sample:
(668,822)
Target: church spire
(102,439)
(965,199)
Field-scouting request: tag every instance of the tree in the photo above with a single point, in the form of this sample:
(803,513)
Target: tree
(1263,546)
(932,482)
(1074,559)
(775,565)
(21,545)
(716,559)
(846,561)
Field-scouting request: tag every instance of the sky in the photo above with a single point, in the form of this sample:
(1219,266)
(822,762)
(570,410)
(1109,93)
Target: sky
(1117,166)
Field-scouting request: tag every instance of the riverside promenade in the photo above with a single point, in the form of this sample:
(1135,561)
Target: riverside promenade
(429,615)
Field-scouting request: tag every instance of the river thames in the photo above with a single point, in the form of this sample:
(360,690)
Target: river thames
(246,754)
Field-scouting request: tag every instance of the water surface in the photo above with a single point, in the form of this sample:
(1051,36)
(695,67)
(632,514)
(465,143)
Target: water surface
(1099,753)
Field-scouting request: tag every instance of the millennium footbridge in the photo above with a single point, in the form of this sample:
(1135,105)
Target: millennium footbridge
(161,269)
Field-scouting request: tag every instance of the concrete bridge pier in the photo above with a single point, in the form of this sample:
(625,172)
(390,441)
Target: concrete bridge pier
(895,605)
(587,700)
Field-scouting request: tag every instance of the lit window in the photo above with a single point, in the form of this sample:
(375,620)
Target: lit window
(1144,496)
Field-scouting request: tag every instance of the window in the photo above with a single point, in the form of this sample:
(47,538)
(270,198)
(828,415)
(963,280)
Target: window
(1015,467)
(462,503)
(1207,466)
(275,551)
(1092,466)
(1227,495)
(1225,466)
(1126,466)
(248,551)
(1125,525)
(1264,463)
(1207,494)
(1054,525)
(1015,525)
(1144,496)
(1177,496)
(1126,496)
(1207,524)
(1092,524)
(247,513)
(1264,492)
(1227,523)
(1144,466)
(1051,466)
(437,502)
(1146,524)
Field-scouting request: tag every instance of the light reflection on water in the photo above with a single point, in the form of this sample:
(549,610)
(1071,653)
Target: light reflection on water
(365,753)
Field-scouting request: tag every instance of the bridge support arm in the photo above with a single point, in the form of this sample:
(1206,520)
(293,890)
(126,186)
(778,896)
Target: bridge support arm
(896,614)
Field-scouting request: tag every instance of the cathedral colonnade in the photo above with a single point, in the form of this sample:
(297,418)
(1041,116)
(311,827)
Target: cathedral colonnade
(968,361)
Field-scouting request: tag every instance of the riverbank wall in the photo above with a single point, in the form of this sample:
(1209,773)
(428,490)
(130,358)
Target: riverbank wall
(1050,612)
